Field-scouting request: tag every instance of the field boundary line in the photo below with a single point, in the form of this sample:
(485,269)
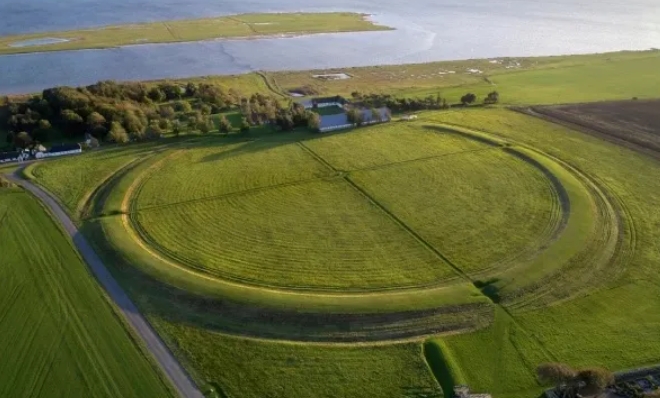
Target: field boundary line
(412,232)
(317,156)
(231,194)
(169,366)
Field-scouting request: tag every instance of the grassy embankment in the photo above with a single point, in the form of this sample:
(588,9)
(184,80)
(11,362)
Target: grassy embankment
(227,27)
(61,337)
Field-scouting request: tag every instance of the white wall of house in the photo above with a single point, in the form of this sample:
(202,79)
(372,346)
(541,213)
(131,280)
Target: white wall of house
(57,154)
(347,126)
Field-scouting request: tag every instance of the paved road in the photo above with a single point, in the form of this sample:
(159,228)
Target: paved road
(168,364)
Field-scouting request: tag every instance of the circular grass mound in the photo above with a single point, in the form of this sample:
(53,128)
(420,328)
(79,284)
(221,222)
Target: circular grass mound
(410,223)
(390,232)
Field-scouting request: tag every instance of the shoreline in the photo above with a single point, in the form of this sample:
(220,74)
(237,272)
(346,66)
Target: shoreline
(526,64)
(252,26)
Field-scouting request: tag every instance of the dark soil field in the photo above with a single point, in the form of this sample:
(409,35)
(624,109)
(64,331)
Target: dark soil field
(634,124)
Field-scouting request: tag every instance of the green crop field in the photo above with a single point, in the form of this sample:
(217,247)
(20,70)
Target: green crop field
(60,336)
(237,26)
(465,247)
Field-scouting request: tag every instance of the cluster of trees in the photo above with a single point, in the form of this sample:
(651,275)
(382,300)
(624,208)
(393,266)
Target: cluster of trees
(571,382)
(115,112)
(397,104)
(262,109)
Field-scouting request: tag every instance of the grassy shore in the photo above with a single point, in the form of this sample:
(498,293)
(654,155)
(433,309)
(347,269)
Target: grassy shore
(227,27)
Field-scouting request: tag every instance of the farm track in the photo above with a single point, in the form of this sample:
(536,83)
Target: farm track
(168,364)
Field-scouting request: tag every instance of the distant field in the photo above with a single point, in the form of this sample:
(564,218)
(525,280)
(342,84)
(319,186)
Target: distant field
(636,123)
(61,338)
(226,27)
(542,80)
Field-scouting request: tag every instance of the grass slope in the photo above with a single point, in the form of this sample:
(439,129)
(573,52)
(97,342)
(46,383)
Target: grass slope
(237,26)
(61,337)
(270,369)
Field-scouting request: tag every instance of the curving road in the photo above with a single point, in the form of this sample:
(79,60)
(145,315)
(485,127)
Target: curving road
(168,364)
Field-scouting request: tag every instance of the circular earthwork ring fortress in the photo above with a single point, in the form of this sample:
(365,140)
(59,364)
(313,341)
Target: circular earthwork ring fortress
(331,256)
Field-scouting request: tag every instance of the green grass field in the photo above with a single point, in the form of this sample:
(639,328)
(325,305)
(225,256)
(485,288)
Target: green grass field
(316,235)
(271,369)
(73,179)
(61,337)
(529,241)
(226,27)
(487,196)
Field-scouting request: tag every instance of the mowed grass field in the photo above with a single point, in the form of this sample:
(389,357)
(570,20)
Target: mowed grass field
(60,336)
(236,26)
(388,144)
(314,235)
(481,209)
(226,169)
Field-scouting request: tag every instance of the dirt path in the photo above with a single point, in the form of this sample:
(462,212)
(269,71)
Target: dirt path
(169,365)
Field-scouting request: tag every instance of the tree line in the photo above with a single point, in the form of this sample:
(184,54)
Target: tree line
(413,104)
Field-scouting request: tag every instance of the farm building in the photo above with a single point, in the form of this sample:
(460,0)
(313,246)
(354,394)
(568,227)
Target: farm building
(6,157)
(324,102)
(340,121)
(62,150)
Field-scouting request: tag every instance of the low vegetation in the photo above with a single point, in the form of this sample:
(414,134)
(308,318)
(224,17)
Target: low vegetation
(226,27)
(61,336)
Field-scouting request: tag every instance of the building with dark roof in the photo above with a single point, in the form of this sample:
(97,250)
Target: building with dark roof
(323,102)
(340,121)
(62,150)
(6,157)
